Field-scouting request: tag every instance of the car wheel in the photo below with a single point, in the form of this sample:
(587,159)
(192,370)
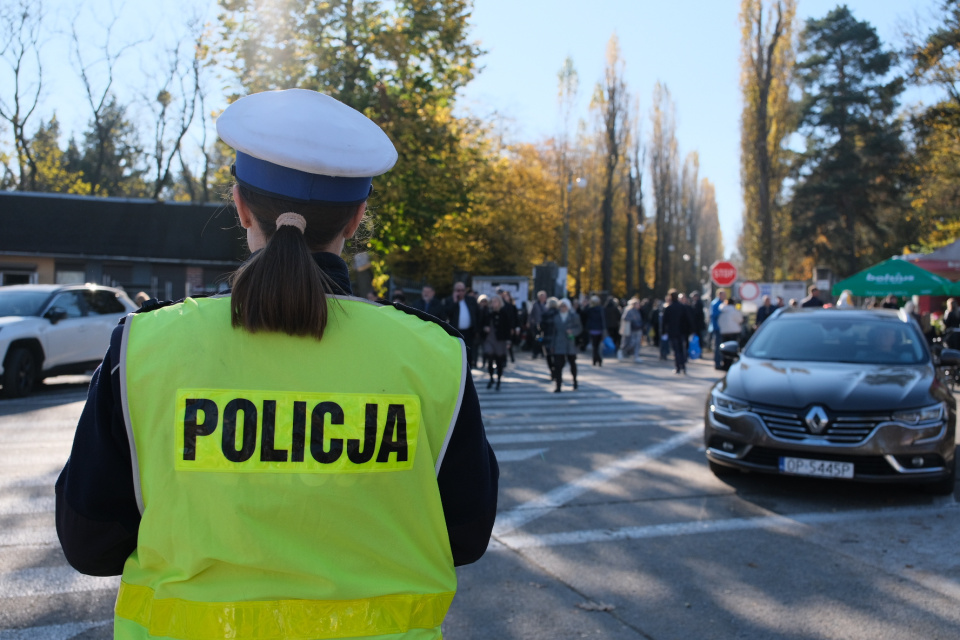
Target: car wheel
(946,486)
(19,374)
(722,471)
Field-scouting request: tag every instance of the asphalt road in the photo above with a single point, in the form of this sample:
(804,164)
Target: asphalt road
(610,526)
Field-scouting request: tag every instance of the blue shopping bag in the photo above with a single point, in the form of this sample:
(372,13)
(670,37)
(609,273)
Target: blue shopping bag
(694,351)
(608,347)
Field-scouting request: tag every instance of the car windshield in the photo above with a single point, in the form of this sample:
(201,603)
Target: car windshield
(838,339)
(21,303)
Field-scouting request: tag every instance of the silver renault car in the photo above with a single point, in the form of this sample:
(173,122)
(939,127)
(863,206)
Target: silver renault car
(835,393)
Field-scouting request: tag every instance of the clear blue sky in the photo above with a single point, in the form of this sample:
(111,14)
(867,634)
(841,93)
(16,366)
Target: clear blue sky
(693,47)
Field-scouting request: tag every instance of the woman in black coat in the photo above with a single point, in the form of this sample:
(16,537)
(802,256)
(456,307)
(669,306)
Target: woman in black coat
(611,317)
(596,324)
(513,319)
(497,332)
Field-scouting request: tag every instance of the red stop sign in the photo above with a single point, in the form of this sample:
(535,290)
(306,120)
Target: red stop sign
(723,273)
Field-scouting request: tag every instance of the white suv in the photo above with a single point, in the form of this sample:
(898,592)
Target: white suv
(48,330)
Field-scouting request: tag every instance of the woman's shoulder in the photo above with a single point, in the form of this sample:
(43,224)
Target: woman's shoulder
(413,316)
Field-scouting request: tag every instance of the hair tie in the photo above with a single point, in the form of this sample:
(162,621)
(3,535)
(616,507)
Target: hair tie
(292,219)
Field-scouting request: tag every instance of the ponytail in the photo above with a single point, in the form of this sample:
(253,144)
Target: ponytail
(281,288)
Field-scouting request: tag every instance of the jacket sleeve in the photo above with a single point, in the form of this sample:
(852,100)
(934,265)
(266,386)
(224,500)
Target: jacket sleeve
(96,510)
(468,481)
(577,326)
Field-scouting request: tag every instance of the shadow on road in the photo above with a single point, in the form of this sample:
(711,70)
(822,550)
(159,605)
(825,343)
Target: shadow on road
(51,392)
(775,492)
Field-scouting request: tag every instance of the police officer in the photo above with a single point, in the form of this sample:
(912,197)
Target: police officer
(287,460)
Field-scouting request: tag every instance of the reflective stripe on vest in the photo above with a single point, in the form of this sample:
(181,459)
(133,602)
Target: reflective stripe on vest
(280,619)
(285,476)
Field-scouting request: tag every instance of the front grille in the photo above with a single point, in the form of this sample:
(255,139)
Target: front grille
(841,429)
(862,465)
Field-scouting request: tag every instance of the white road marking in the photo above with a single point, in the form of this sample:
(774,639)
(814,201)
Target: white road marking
(539,437)
(13,472)
(51,580)
(29,537)
(28,459)
(569,420)
(52,632)
(582,421)
(12,423)
(516,455)
(46,479)
(31,436)
(546,406)
(541,506)
(934,582)
(781,523)
(17,506)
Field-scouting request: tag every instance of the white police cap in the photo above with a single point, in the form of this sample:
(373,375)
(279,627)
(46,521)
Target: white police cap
(305,146)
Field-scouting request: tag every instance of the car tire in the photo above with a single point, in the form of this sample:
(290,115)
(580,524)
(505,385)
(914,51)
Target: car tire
(722,471)
(946,486)
(19,373)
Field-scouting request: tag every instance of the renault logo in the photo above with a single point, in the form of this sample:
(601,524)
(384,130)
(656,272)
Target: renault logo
(817,420)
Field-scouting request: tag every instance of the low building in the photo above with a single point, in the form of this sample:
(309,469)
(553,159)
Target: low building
(167,249)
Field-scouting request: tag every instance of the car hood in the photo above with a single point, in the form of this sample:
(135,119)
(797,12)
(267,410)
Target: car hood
(5,320)
(838,386)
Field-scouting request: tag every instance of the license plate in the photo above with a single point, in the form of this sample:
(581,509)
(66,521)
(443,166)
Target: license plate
(818,468)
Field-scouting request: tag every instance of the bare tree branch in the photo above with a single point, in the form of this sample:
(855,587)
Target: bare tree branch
(175,107)
(97,99)
(20,26)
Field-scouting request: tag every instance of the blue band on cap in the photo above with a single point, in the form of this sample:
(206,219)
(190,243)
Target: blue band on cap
(293,184)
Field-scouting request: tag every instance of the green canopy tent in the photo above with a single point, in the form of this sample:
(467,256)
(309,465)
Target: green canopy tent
(897,277)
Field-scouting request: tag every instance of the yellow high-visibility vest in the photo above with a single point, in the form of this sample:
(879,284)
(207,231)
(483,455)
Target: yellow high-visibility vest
(287,485)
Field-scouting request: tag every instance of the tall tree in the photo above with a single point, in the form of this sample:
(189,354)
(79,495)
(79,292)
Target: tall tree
(934,57)
(687,267)
(568,84)
(490,237)
(612,102)
(766,60)
(710,239)
(664,170)
(110,156)
(51,171)
(850,180)
(635,204)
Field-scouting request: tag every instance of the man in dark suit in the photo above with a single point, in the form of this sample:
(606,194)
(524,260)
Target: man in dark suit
(677,325)
(699,318)
(428,303)
(461,313)
(765,311)
(812,300)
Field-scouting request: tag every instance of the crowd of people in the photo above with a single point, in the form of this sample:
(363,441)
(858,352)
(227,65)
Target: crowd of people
(680,324)
(558,330)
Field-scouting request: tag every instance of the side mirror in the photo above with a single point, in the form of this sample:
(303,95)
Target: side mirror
(730,348)
(55,314)
(949,358)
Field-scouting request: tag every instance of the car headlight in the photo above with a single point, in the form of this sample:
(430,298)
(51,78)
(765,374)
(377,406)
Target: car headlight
(726,404)
(933,413)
